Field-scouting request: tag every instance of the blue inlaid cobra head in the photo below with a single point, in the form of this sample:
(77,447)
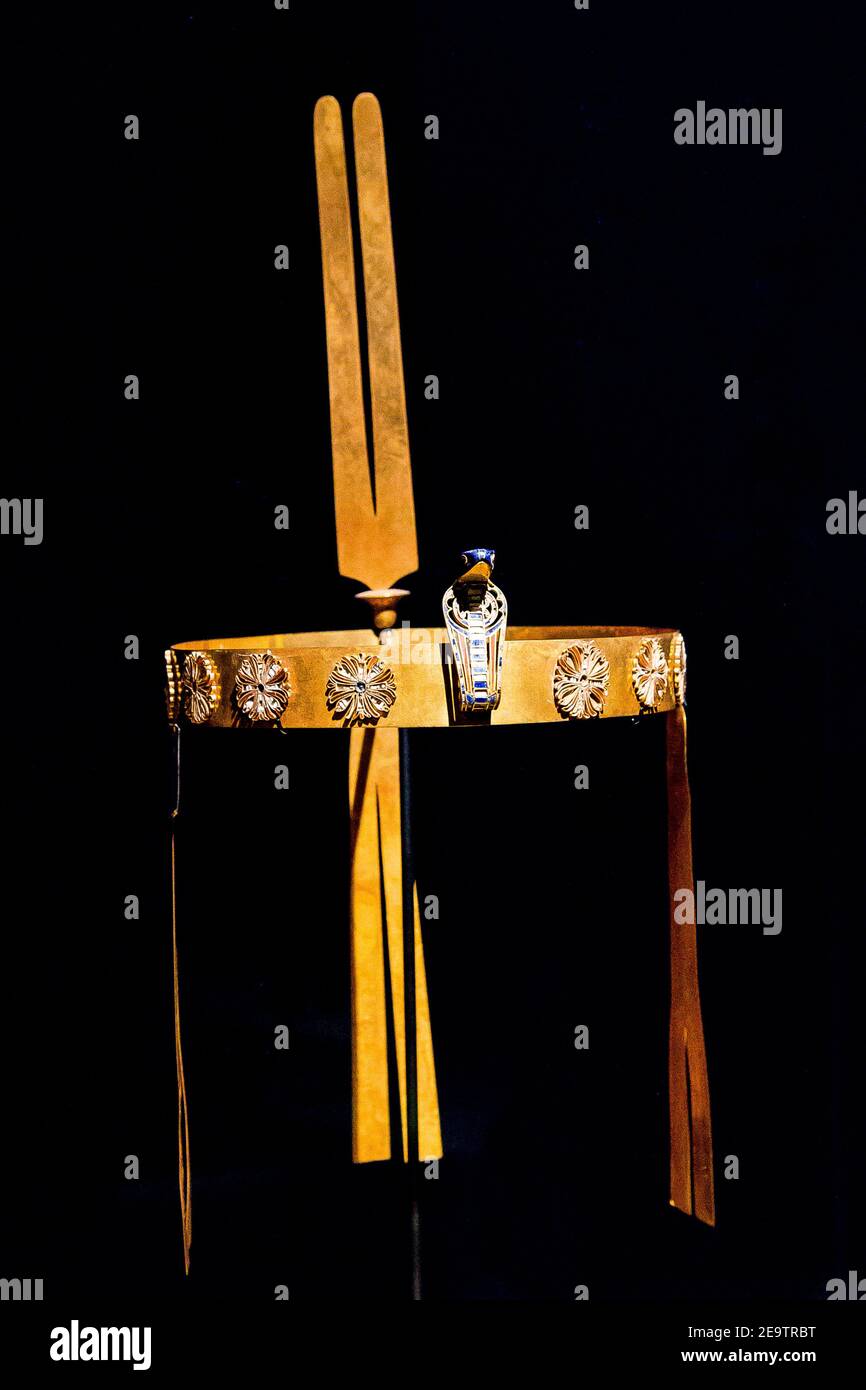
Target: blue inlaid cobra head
(471,584)
(479,556)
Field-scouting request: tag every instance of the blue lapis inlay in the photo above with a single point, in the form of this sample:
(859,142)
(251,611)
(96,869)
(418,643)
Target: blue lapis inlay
(474,557)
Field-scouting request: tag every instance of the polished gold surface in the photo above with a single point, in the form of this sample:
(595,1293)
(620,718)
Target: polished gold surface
(376,886)
(376,541)
(419,661)
(691,1141)
(376,544)
(184,1172)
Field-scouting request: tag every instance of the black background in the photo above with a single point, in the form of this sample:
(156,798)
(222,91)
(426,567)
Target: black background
(557,388)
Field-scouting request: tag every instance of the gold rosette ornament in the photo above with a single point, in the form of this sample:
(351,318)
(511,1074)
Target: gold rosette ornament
(261,687)
(200,688)
(361,689)
(581,680)
(678,668)
(172,686)
(649,675)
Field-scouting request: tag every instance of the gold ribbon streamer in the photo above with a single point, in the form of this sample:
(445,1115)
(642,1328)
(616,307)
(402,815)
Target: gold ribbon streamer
(183,1165)
(376,887)
(690,1133)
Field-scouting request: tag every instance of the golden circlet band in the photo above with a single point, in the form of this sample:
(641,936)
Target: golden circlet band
(550,674)
(331,680)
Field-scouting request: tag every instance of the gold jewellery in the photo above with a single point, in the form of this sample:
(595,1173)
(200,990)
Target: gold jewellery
(337,680)
(475,670)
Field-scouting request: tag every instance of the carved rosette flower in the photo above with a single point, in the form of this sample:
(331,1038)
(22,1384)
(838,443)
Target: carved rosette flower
(200,687)
(172,686)
(649,674)
(581,680)
(678,668)
(361,689)
(262,687)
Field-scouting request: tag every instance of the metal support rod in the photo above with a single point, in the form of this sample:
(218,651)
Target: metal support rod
(410,1030)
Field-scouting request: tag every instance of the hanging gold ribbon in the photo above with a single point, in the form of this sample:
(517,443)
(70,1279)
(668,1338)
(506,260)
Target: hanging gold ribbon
(690,1130)
(183,1165)
(173,695)
(376,890)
